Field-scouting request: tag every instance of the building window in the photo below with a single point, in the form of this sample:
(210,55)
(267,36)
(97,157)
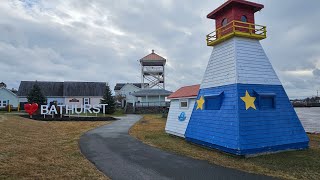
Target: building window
(224,22)
(0,103)
(244,18)
(86,101)
(184,103)
(266,101)
(4,103)
(213,102)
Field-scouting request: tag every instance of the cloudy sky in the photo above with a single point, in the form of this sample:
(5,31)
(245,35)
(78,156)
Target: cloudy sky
(102,40)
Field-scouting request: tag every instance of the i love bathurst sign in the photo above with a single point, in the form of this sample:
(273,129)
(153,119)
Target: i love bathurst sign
(64,109)
(73,109)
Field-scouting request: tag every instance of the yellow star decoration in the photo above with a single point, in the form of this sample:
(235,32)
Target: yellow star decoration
(200,103)
(249,101)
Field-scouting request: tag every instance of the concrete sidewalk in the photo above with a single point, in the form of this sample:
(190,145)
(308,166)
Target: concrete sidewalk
(114,152)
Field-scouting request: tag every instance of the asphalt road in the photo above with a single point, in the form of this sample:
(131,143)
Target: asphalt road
(114,152)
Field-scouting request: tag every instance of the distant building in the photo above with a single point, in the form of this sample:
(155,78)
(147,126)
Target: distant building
(125,91)
(8,97)
(66,93)
(151,97)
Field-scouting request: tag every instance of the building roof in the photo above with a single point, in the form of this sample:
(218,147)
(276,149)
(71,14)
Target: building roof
(256,7)
(84,88)
(47,88)
(153,56)
(153,59)
(62,89)
(186,91)
(151,92)
(120,85)
(14,94)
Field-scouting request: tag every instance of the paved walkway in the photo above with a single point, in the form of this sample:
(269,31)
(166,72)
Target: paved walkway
(120,156)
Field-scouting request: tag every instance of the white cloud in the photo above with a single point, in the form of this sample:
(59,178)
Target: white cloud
(96,40)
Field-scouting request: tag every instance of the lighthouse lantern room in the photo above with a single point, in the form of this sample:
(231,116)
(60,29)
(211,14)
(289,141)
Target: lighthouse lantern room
(235,18)
(242,107)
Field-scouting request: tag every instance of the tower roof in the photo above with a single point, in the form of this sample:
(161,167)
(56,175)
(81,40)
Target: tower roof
(255,6)
(153,59)
(153,56)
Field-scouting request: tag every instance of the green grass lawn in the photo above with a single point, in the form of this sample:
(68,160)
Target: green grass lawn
(303,164)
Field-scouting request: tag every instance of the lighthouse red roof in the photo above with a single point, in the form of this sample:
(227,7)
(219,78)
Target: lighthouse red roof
(255,6)
(186,91)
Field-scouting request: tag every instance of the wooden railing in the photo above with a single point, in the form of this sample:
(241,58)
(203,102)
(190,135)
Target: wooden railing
(236,28)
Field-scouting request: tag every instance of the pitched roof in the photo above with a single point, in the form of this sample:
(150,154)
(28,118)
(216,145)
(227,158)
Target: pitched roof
(52,89)
(151,92)
(61,89)
(120,85)
(255,6)
(84,88)
(186,91)
(14,94)
(153,56)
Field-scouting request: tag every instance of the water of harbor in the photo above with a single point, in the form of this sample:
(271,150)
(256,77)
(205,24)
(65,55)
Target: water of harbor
(310,118)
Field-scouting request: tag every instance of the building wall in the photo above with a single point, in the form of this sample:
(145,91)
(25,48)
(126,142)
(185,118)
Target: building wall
(175,126)
(59,100)
(126,91)
(23,99)
(235,13)
(9,97)
(221,68)
(92,100)
(239,60)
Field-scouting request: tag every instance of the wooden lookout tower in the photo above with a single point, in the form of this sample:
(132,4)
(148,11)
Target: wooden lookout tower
(152,70)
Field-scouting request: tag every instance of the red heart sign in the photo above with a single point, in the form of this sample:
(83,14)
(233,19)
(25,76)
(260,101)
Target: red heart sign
(31,108)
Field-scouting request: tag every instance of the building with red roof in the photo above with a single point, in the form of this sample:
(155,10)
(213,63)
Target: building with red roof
(182,102)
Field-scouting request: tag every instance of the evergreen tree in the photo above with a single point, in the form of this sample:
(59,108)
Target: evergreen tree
(36,96)
(108,99)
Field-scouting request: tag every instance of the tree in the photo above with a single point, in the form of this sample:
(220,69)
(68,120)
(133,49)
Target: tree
(108,99)
(35,95)
(120,98)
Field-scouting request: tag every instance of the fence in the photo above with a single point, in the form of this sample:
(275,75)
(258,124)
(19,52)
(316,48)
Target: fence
(152,104)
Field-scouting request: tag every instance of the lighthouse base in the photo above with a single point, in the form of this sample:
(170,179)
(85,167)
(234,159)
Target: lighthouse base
(270,125)
(253,152)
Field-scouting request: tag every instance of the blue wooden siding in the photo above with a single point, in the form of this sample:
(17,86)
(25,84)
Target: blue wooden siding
(236,130)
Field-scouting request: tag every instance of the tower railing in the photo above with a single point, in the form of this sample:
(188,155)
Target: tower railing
(236,28)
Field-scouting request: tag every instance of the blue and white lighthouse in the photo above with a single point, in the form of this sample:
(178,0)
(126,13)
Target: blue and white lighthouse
(242,107)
